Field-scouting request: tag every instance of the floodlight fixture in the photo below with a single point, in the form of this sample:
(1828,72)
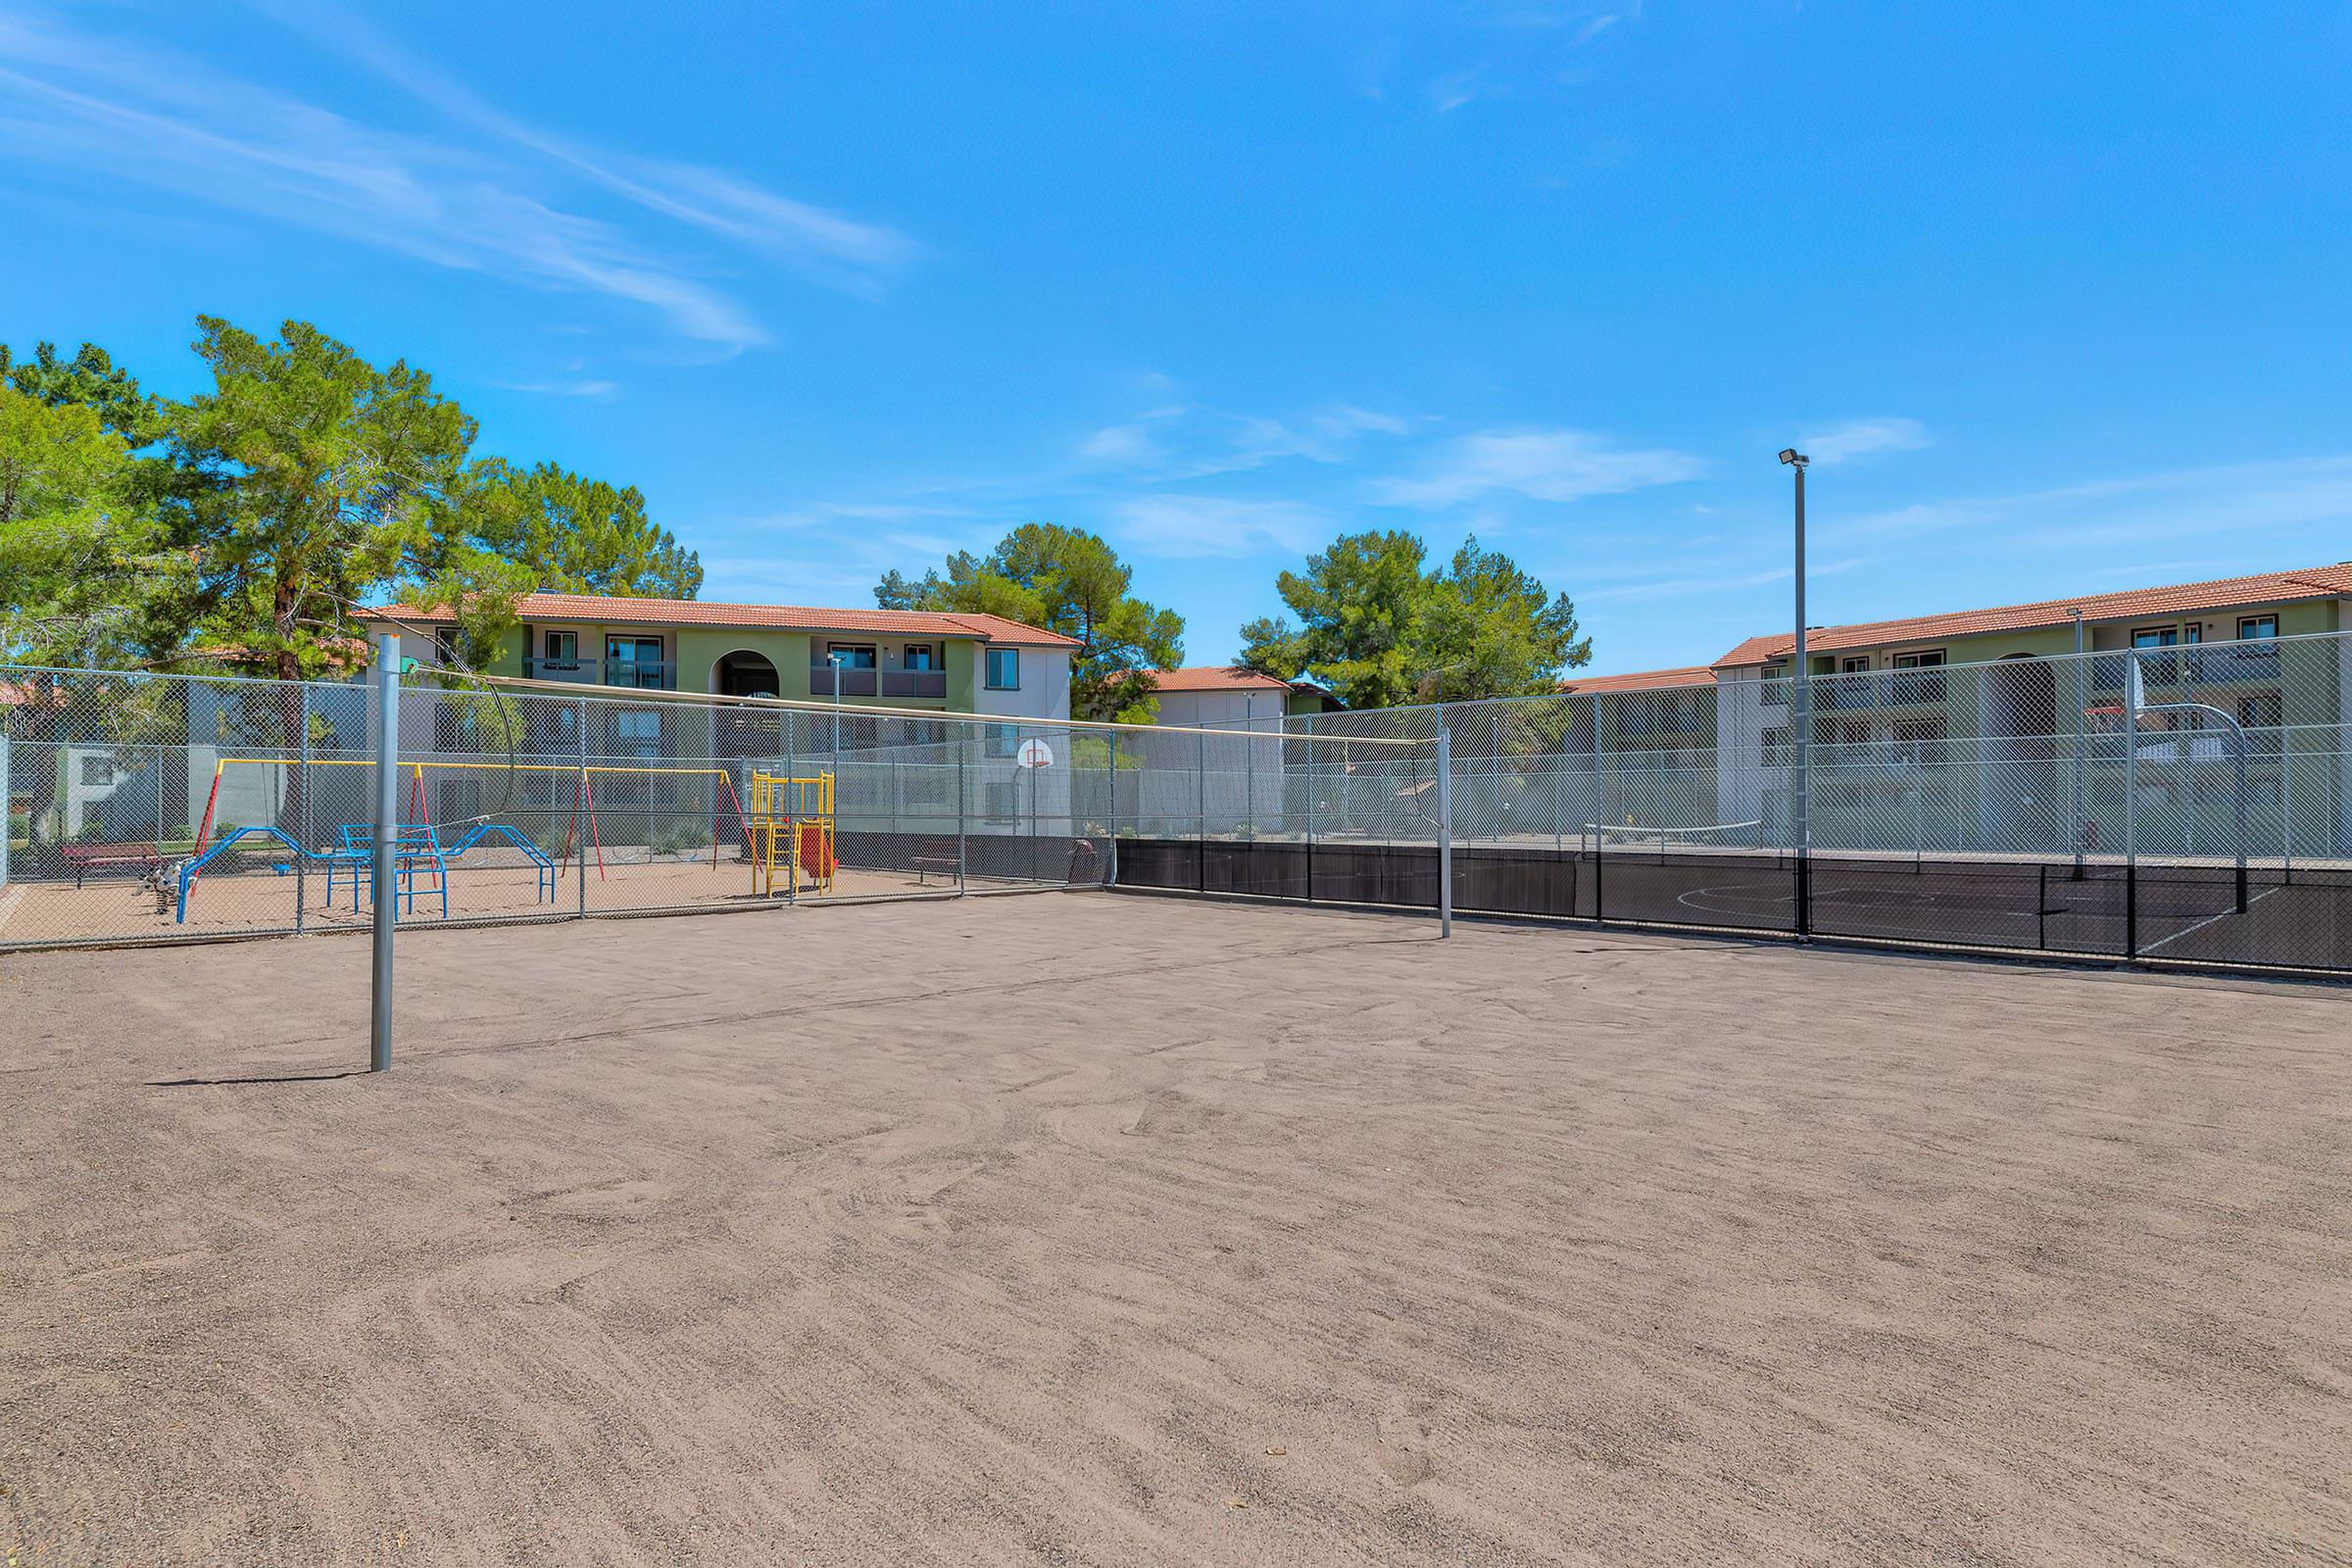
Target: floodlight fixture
(1793,458)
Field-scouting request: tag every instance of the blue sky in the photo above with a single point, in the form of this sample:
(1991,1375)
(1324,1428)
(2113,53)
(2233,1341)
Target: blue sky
(2059,296)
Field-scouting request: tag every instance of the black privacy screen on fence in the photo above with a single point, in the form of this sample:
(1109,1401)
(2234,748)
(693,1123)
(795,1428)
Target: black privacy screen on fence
(2298,919)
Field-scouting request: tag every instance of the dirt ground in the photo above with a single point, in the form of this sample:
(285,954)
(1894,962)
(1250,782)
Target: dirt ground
(1091,1228)
(118,906)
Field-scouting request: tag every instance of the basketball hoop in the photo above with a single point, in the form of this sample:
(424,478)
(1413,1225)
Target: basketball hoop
(1035,753)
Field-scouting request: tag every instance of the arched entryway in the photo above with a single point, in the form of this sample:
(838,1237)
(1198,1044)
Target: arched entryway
(745,675)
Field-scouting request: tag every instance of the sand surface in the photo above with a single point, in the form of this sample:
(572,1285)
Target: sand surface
(1089,1227)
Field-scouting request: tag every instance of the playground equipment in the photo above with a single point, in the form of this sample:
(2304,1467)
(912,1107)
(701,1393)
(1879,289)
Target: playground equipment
(789,824)
(419,861)
(422,858)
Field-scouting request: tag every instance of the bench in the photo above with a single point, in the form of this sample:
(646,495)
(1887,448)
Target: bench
(937,854)
(84,858)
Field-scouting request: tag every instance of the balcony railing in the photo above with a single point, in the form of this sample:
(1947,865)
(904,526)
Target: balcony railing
(878,682)
(641,674)
(853,682)
(914,683)
(632,674)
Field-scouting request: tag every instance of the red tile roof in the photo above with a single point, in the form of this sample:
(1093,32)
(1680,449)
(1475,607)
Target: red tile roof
(1215,678)
(2137,604)
(1641,680)
(614,610)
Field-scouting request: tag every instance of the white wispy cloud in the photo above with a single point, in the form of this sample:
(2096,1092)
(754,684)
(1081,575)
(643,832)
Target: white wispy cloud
(1544,465)
(1457,89)
(1860,437)
(2224,503)
(1186,441)
(1684,587)
(1119,446)
(568,389)
(843,251)
(136,113)
(1180,527)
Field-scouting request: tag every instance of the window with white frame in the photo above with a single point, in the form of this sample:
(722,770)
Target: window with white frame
(1003,669)
(2252,627)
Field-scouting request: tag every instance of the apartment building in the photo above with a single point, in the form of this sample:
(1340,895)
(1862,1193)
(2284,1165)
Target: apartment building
(1221,696)
(953,662)
(2215,643)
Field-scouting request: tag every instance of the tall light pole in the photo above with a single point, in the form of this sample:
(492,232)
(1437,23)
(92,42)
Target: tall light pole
(1800,719)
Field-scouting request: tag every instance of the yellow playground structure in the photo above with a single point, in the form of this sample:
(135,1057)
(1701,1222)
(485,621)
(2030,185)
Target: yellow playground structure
(789,823)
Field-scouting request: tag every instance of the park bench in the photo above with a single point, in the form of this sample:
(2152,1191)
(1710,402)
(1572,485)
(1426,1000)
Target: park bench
(934,856)
(84,858)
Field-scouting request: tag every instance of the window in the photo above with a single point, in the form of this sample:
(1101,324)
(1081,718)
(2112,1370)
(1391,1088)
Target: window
(919,656)
(2155,636)
(1003,669)
(1918,739)
(445,647)
(2253,626)
(1002,741)
(2259,713)
(634,650)
(562,646)
(1912,682)
(1854,664)
(1000,801)
(637,733)
(850,656)
(2193,632)
(97,772)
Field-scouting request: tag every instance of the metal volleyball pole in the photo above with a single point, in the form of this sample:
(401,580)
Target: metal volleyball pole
(387,829)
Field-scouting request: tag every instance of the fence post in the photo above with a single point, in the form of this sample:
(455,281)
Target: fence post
(1200,779)
(1314,791)
(387,829)
(792,822)
(2132,700)
(1445,829)
(964,743)
(5,827)
(1110,831)
(579,815)
(302,828)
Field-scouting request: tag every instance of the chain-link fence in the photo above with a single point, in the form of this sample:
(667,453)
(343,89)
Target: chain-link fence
(2014,804)
(146,806)
(2202,810)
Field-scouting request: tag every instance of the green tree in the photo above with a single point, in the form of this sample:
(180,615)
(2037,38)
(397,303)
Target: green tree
(91,379)
(332,479)
(87,574)
(1065,580)
(570,534)
(1384,629)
